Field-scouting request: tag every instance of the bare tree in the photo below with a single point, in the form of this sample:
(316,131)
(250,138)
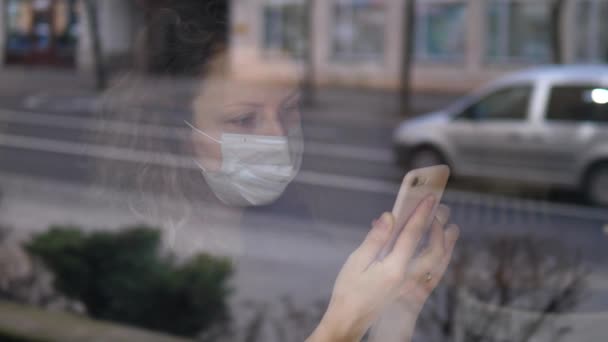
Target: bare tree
(556,10)
(407,56)
(93,22)
(506,272)
(309,55)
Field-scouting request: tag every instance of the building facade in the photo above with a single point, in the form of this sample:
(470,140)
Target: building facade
(56,33)
(459,44)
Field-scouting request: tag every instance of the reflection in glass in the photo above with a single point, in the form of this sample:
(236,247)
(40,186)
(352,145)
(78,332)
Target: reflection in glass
(358,31)
(441,31)
(590,31)
(578,103)
(518,31)
(285,24)
(42,32)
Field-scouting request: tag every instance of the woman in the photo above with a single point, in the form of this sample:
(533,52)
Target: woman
(238,147)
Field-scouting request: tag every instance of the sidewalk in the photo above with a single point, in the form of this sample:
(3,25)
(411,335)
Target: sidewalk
(358,106)
(24,323)
(291,259)
(22,82)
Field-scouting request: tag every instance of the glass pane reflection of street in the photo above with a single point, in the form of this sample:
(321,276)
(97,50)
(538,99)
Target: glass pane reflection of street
(229,170)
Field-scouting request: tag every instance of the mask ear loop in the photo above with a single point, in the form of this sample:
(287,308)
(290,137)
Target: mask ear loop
(204,134)
(201,132)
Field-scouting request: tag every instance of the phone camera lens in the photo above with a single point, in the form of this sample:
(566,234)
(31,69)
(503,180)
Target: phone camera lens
(415,181)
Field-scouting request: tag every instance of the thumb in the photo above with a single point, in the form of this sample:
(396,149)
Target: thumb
(376,239)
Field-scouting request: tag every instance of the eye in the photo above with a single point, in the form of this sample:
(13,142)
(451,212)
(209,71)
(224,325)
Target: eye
(244,121)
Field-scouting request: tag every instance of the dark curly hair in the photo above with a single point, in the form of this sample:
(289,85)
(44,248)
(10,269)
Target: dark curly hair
(180,37)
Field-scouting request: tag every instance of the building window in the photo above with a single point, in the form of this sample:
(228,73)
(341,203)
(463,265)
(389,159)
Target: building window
(440,30)
(285,27)
(358,30)
(41,32)
(518,31)
(591,31)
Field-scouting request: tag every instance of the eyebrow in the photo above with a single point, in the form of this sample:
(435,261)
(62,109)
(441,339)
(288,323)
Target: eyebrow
(247,104)
(287,99)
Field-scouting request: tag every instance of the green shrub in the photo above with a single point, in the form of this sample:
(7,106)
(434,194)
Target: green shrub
(121,276)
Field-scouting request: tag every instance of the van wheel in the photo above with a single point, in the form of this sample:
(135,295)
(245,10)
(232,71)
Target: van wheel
(596,185)
(425,157)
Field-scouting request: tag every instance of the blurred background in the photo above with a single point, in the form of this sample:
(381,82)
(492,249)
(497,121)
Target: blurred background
(512,94)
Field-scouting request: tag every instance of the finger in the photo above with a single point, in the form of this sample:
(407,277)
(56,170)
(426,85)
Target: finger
(437,241)
(436,246)
(375,240)
(431,256)
(425,274)
(434,266)
(451,236)
(443,214)
(411,234)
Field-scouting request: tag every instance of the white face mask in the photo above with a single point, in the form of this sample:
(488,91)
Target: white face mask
(255,169)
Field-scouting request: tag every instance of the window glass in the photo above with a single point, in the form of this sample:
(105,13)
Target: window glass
(505,104)
(189,159)
(591,31)
(43,31)
(518,31)
(578,103)
(440,31)
(358,32)
(285,27)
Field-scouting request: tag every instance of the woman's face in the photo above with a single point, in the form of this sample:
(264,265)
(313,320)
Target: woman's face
(227,106)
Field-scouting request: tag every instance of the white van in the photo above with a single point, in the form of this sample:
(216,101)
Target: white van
(545,126)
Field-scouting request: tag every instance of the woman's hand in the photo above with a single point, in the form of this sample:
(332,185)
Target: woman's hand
(398,320)
(366,287)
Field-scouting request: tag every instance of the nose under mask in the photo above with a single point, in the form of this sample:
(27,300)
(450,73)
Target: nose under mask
(255,169)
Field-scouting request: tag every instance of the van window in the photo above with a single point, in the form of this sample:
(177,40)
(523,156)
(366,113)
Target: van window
(509,103)
(578,103)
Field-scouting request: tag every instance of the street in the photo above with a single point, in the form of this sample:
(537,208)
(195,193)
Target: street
(48,149)
(348,171)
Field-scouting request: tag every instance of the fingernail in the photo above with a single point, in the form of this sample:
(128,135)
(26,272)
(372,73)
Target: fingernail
(452,232)
(443,214)
(384,223)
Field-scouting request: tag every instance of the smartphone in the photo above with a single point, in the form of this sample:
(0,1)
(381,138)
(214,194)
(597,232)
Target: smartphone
(417,185)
